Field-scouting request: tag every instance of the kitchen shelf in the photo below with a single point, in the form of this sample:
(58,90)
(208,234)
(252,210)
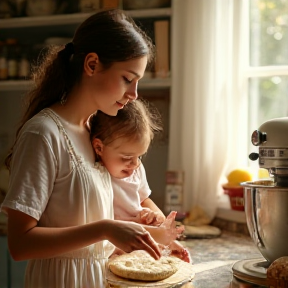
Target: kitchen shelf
(63,24)
(15,85)
(75,18)
(24,85)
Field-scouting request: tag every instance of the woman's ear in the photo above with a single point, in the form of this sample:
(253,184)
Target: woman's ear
(90,63)
(98,146)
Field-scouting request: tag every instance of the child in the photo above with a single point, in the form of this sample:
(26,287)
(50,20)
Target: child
(119,143)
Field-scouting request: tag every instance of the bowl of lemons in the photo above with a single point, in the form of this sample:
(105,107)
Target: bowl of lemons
(233,187)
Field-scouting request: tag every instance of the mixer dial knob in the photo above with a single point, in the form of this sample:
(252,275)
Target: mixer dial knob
(253,156)
(258,137)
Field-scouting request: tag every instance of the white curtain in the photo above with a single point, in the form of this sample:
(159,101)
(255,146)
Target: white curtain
(208,115)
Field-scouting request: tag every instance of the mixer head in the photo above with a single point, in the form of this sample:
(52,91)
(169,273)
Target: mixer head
(272,139)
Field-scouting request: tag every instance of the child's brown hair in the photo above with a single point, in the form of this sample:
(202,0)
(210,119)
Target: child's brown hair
(136,120)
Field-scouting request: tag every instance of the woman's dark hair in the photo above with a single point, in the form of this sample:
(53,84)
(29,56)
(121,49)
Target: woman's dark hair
(112,34)
(136,120)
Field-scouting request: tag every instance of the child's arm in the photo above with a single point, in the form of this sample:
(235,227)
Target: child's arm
(151,214)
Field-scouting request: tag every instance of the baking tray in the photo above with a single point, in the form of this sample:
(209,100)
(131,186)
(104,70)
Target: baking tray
(184,274)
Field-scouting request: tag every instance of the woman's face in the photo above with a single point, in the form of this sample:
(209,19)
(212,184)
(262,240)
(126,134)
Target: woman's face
(122,156)
(110,89)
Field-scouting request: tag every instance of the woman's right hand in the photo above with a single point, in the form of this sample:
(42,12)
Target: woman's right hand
(130,236)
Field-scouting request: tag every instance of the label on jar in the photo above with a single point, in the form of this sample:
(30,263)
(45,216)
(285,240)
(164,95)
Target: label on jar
(24,69)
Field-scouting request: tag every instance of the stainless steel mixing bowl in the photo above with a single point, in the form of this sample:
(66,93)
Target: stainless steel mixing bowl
(266,209)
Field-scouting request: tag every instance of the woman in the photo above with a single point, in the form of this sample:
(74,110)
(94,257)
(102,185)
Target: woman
(59,205)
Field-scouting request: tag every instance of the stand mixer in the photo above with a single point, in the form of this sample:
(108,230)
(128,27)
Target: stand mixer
(266,201)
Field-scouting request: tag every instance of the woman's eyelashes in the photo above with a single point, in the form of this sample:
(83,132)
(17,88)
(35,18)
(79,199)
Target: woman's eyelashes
(127,80)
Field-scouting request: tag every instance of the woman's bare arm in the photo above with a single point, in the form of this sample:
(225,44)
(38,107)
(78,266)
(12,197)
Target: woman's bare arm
(28,241)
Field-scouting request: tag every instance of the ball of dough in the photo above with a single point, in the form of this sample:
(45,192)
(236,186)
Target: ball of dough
(277,273)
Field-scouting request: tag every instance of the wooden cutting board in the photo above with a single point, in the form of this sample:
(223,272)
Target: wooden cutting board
(184,274)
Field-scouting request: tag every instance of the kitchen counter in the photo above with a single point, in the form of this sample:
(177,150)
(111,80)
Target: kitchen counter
(213,260)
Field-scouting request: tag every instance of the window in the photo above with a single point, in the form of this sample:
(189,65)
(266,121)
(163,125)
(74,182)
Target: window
(268,59)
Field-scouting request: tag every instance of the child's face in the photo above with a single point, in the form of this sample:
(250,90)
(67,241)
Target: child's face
(122,156)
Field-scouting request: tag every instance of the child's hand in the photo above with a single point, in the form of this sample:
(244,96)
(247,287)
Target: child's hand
(169,224)
(149,217)
(167,232)
(171,232)
(179,251)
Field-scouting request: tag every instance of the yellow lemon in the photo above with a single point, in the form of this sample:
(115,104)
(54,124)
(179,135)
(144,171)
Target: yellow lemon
(239,175)
(263,173)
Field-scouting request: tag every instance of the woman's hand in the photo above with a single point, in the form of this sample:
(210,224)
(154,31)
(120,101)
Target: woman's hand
(130,236)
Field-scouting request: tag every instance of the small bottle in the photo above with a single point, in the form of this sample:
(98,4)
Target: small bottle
(23,66)
(12,58)
(3,61)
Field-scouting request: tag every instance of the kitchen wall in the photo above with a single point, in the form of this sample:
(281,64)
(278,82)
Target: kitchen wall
(156,160)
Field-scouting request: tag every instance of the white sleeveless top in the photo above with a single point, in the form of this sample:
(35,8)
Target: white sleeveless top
(55,185)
